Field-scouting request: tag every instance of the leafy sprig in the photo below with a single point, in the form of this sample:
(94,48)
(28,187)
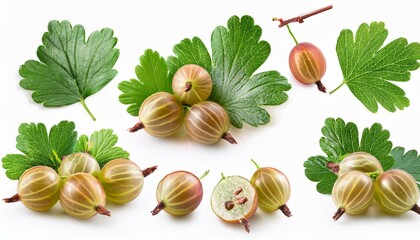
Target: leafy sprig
(70,69)
(369,68)
(237,53)
(40,147)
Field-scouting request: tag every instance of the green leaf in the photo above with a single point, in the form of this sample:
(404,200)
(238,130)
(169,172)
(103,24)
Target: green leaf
(408,161)
(189,51)
(39,147)
(152,77)
(101,146)
(237,53)
(341,138)
(70,69)
(368,69)
(316,171)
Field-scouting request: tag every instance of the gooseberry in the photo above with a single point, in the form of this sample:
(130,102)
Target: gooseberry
(122,180)
(179,193)
(192,84)
(79,162)
(234,200)
(38,188)
(160,115)
(273,189)
(397,192)
(208,122)
(82,196)
(352,193)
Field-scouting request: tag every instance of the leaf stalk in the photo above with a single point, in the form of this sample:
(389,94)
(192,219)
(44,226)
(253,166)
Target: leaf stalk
(87,109)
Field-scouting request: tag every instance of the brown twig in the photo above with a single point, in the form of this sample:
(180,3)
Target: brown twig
(301,17)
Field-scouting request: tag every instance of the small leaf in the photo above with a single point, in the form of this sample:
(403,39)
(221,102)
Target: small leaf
(82,144)
(17,164)
(316,171)
(152,74)
(375,141)
(339,138)
(70,69)
(189,51)
(408,161)
(368,69)
(102,146)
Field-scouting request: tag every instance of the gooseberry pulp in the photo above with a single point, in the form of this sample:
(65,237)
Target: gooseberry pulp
(82,196)
(208,122)
(160,115)
(273,189)
(179,193)
(122,180)
(38,188)
(397,192)
(352,193)
(234,200)
(192,84)
(79,162)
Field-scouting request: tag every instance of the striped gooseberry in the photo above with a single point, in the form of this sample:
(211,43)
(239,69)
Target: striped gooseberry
(122,180)
(397,192)
(273,189)
(38,188)
(361,161)
(307,63)
(352,193)
(160,115)
(79,162)
(82,196)
(234,200)
(208,122)
(191,84)
(179,193)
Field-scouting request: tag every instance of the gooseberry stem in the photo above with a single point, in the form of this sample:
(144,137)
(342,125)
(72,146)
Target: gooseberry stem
(245,223)
(416,209)
(291,34)
(301,17)
(103,211)
(188,86)
(146,172)
(158,208)
(286,211)
(136,127)
(204,174)
(335,89)
(14,198)
(373,175)
(87,109)
(334,167)
(339,213)
(255,163)
(228,137)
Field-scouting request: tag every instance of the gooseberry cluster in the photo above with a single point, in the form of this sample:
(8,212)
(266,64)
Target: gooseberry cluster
(362,180)
(81,187)
(235,199)
(162,113)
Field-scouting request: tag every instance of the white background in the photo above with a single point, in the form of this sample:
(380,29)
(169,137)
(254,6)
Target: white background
(285,143)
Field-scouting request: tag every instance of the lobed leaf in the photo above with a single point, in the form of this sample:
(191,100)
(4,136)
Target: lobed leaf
(102,146)
(152,77)
(70,69)
(368,69)
(408,161)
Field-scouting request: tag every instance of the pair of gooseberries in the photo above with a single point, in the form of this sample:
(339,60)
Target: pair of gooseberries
(235,199)
(85,188)
(395,191)
(161,114)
